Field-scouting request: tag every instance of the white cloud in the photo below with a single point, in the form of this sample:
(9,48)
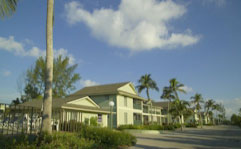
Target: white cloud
(6,73)
(187,89)
(87,83)
(218,3)
(137,24)
(17,48)
(231,105)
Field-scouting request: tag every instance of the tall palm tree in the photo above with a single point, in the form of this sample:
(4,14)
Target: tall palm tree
(209,106)
(171,93)
(216,107)
(197,100)
(176,87)
(180,108)
(7,7)
(146,83)
(47,101)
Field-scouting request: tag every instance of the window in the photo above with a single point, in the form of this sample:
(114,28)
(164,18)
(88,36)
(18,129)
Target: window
(125,101)
(99,118)
(125,117)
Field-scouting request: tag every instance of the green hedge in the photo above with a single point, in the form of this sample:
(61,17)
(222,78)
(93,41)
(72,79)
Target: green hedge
(58,140)
(107,138)
(87,138)
(150,127)
(193,125)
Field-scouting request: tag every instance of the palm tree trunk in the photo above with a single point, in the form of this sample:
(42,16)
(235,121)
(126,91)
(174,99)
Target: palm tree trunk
(149,99)
(181,122)
(147,94)
(47,101)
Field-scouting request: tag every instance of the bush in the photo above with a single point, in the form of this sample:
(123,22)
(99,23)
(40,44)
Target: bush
(150,127)
(93,121)
(43,141)
(191,125)
(107,138)
(168,127)
(177,125)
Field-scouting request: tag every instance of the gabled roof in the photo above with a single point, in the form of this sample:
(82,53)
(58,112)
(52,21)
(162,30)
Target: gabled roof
(106,89)
(163,104)
(101,89)
(66,103)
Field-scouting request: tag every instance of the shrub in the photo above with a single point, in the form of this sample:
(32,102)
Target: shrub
(191,125)
(107,138)
(43,141)
(168,127)
(150,127)
(177,125)
(93,121)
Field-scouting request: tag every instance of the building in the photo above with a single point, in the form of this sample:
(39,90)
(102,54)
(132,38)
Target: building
(165,117)
(93,101)
(3,106)
(129,107)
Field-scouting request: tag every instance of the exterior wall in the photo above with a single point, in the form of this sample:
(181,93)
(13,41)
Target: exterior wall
(127,88)
(2,107)
(103,101)
(83,101)
(79,116)
(122,110)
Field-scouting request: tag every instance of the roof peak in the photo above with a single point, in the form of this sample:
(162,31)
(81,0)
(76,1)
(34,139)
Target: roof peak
(109,84)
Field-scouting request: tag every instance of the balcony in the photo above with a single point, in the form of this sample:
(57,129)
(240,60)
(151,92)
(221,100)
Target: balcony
(137,104)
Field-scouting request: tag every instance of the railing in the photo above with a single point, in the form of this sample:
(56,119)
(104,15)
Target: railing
(145,109)
(137,104)
(15,120)
(27,120)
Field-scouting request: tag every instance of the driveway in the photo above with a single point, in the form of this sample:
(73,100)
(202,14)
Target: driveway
(206,137)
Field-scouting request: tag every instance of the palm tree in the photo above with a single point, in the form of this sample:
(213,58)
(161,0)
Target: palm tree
(197,100)
(176,87)
(47,101)
(171,93)
(7,7)
(209,106)
(146,82)
(216,107)
(180,108)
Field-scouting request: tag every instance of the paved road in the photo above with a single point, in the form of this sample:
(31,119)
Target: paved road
(208,137)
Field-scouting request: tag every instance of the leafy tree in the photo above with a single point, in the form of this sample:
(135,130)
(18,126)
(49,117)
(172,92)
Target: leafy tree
(236,120)
(197,100)
(7,7)
(16,102)
(63,78)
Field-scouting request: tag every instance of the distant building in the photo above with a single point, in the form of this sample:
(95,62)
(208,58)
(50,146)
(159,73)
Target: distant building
(3,107)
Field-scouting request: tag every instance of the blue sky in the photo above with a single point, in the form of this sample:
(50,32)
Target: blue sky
(197,42)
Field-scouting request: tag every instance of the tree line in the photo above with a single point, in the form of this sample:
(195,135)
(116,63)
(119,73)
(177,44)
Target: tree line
(179,107)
